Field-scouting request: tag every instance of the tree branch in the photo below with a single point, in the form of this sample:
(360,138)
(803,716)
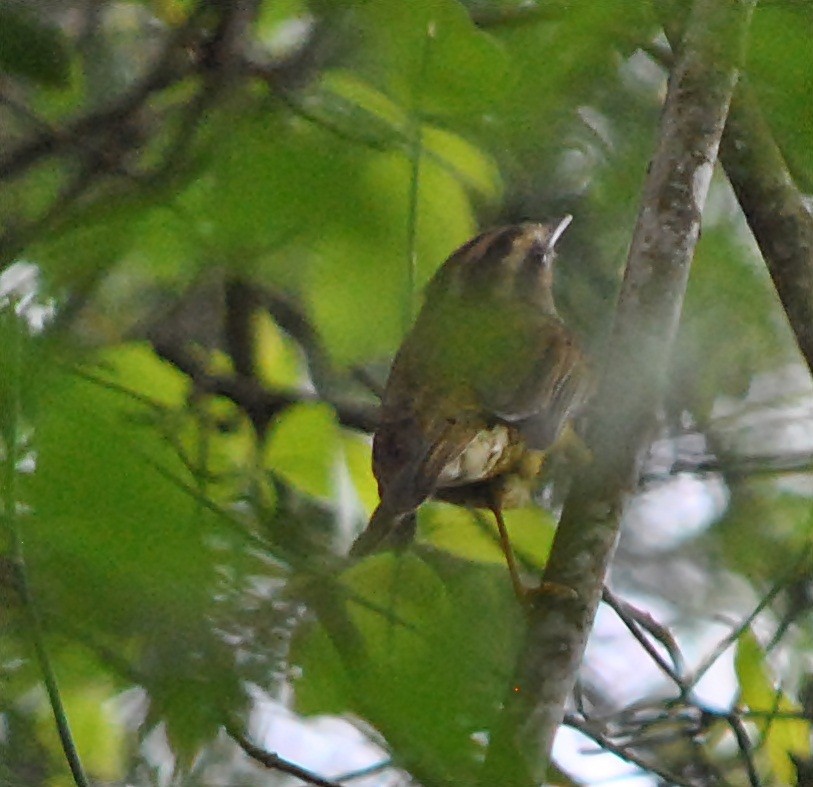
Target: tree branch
(260,404)
(777,215)
(774,207)
(629,391)
(625,752)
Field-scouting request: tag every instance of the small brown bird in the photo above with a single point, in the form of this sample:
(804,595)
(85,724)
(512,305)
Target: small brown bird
(482,387)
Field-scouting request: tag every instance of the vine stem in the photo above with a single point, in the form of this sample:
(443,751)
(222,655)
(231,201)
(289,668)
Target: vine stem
(415,156)
(11,434)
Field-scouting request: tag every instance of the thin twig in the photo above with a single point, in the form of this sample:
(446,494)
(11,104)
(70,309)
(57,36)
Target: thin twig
(633,627)
(744,745)
(261,404)
(277,763)
(737,632)
(362,773)
(415,156)
(623,752)
(791,463)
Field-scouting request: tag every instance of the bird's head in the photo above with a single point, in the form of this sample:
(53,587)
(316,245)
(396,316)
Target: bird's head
(510,262)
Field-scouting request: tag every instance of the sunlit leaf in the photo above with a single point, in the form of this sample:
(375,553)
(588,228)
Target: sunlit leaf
(303,449)
(366,272)
(135,367)
(276,361)
(472,165)
(365,97)
(474,535)
(357,455)
(781,737)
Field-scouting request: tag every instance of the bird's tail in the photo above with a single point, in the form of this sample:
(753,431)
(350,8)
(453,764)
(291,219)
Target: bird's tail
(385,530)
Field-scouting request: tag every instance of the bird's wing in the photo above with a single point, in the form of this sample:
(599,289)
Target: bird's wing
(551,390)
(410,460)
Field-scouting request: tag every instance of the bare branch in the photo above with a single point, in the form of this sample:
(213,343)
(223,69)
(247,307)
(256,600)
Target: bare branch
(631,386)
(736,467)
(774,207)
(625,753)
(744,744)
(631,618)
(169,68)
(261,404)
(745,624)
(775,210)
(277,763)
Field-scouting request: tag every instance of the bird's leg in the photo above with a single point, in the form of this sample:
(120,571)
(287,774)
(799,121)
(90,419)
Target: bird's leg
(525,594)
(505,543)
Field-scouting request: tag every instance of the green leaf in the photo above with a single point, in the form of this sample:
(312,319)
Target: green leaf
(277,360)
(114,543)
(358,93)
(358,287)
(136,367)
(31,49)
(474,535)
(267,180)
(194,687)
(80,252)
(564,61)
(348,102)
(779,62)
(428,54)
(754,550)
(420,645)
(476,169)
(780,737)
(121,549)
(303,449)
(729,293)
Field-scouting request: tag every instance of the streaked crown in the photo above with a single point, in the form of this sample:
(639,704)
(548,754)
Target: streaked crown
(514,261)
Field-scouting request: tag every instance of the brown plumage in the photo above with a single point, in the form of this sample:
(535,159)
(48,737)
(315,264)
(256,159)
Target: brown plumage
(480,389)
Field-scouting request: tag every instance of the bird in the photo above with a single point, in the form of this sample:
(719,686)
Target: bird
(485,384)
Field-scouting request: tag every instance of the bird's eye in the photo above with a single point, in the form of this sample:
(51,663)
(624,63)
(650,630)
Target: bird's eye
(538,254)
(537,257)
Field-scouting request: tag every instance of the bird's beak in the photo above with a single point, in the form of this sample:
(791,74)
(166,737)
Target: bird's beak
(559,230)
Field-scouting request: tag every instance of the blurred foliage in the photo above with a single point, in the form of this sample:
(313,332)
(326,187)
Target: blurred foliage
(389,660)
(183,469)
(782,739)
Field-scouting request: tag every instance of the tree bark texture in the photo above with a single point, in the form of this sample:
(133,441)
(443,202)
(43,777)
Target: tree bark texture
(775,210)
